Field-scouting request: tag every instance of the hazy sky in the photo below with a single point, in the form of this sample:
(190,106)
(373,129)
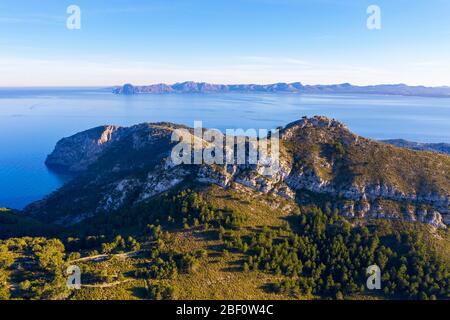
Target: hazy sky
(224,41)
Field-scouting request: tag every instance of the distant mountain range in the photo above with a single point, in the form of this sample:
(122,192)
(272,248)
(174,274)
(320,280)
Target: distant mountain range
(295,87)
(436,147)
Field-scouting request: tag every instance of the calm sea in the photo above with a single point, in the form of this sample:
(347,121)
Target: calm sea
(33,120)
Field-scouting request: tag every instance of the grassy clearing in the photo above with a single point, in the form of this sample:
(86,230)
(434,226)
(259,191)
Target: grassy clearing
(259,209)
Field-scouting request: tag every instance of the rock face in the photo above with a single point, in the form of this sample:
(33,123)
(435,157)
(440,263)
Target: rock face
(122,167)
(76,153)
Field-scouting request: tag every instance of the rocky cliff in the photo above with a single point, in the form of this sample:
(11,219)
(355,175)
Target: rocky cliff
(76,153)
(320,157)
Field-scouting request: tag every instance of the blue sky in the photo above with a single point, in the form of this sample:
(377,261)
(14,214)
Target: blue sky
(224,41)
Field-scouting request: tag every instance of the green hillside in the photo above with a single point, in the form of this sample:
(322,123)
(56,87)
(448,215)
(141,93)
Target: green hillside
(230,244)
(140,227)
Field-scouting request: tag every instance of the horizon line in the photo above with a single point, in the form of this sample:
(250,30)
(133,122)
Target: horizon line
(216,83)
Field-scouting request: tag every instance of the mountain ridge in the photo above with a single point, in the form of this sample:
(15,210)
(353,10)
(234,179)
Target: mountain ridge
(420,146)
(143,227)
(319,156)
(282,87)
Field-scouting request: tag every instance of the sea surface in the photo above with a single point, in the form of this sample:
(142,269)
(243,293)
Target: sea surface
(32,120)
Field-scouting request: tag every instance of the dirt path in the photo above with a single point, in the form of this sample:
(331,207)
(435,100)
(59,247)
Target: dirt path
(105,284)
(101,257)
